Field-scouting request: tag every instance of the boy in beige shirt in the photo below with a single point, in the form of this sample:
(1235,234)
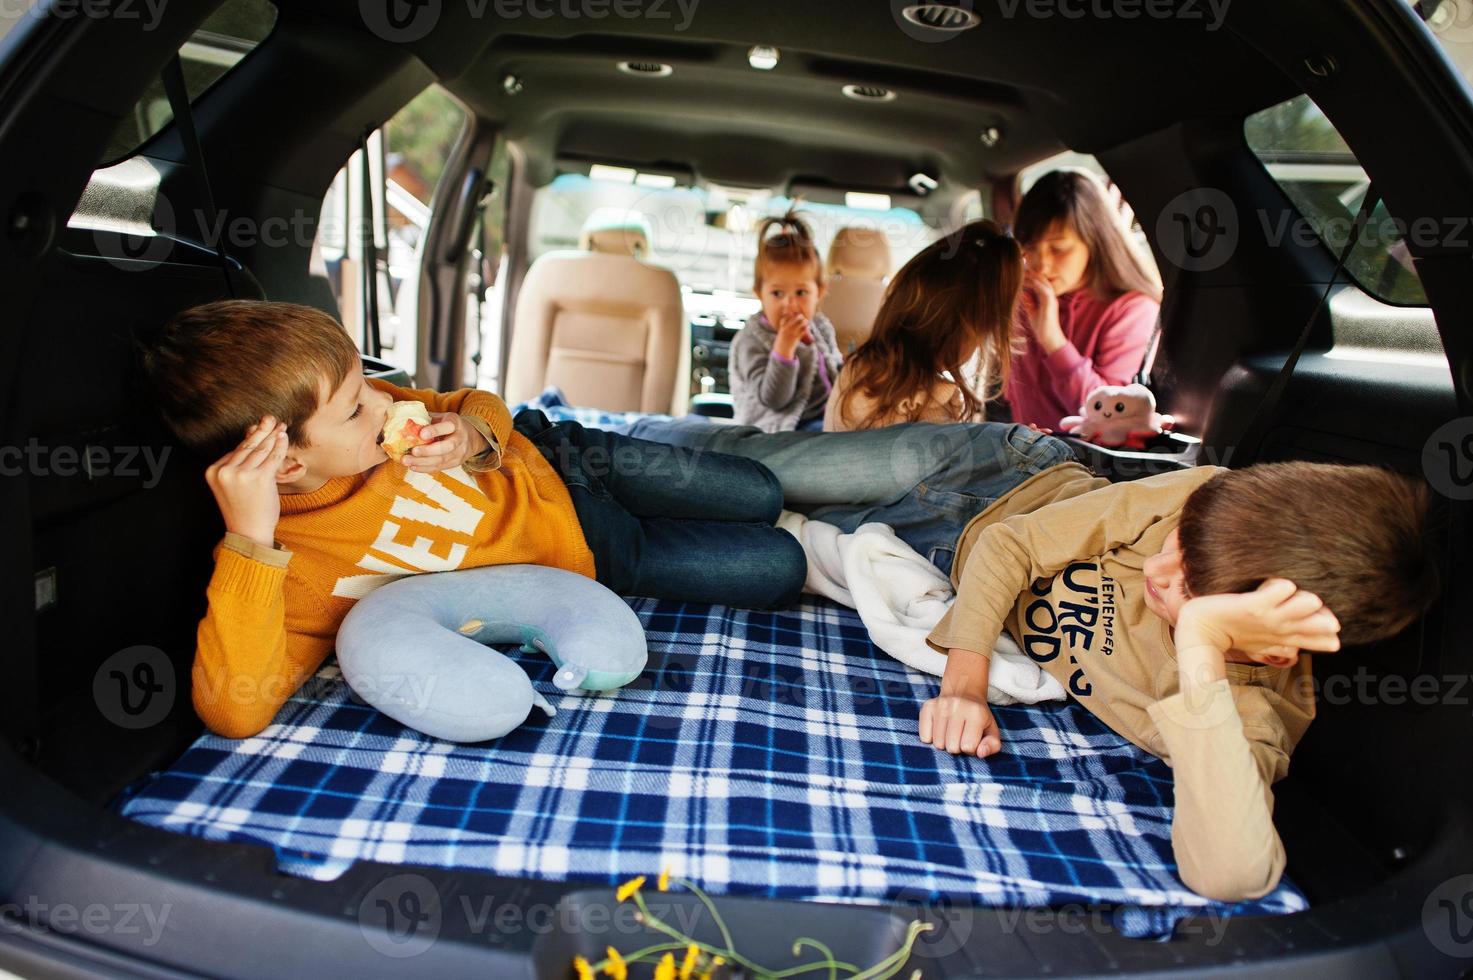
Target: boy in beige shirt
(1175,608)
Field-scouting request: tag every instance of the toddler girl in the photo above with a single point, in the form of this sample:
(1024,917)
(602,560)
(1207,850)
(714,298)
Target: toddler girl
(785,360)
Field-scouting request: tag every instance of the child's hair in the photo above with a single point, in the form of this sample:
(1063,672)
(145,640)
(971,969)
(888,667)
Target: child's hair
(956,296)
(214,370)
(1359,537)
(792,245)
(1075,199)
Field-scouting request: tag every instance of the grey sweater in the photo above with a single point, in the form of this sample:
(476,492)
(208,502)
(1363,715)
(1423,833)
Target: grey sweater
(773,395)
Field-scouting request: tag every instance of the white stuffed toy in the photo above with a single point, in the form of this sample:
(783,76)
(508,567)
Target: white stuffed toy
(1118,416)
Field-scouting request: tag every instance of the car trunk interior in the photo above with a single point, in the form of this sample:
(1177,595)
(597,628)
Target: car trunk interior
(1376,809)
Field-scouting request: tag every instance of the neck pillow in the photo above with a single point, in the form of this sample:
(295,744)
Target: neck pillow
(415,649)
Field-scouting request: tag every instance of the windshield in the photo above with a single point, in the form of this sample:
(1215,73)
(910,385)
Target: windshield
(705,235)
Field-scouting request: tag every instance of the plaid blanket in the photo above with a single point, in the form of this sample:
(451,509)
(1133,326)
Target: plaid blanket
(761,753)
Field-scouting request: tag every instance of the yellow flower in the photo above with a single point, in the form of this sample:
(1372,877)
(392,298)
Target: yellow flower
(664,882)
(629,888)
(616,966)
(666,968)
(692,954)
(715,962)
(581,967)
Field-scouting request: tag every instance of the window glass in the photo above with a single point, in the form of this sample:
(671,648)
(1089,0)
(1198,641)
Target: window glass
(414,145)
(1320,176)
(226,36)
(706,235)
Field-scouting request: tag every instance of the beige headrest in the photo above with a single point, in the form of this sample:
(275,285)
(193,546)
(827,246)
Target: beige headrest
(859,253)
(616,231)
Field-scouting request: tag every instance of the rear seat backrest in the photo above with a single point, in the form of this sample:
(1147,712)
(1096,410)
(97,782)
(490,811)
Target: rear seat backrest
(120,510)
(858,267)
(608,329)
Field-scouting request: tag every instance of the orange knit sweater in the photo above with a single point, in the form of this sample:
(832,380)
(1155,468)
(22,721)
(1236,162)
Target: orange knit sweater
(274,612)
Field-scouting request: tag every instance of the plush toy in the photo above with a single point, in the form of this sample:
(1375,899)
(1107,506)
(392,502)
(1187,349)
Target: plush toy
(414,649)
(1118,416)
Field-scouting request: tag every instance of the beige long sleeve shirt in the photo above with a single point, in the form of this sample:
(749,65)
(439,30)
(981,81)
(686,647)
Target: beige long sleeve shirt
(1057,562)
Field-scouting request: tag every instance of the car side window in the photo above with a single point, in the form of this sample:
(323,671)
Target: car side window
(406,160)
(1322,179)
(226,36)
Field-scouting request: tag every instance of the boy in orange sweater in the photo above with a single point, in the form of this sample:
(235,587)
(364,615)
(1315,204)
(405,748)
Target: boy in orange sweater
(316,516)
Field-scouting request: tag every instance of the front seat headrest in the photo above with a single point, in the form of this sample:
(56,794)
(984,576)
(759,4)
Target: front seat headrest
(616,231)
(859,253)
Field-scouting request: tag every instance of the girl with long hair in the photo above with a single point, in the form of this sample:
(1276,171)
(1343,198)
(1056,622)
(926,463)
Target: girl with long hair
(942,340)
(1090,299)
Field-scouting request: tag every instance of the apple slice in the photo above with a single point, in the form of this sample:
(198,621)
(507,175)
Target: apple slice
(402,428)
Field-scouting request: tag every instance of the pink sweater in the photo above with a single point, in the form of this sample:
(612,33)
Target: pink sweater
(1105,343)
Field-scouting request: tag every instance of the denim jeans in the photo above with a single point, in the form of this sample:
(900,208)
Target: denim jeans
(924,480)
(674,523)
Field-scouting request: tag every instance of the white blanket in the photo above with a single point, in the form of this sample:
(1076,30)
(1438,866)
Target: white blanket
(900,597)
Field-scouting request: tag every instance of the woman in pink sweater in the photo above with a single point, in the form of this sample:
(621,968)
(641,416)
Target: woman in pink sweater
(1090,301)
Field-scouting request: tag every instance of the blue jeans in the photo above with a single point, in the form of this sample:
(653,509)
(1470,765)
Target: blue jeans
(674,523)
(924,480)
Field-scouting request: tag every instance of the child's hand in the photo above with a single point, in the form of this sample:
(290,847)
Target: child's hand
(455,441)
(792,328)
(1272,623)
(244,482)
(1043,312)
(957,723)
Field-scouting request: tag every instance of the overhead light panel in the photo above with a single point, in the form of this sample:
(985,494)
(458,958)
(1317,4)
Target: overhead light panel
(762,57)
(616,175)
(862,201)
(655,180)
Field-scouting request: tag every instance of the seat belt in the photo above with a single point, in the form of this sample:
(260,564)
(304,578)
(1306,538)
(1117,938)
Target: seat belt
(1256,432)
(372,345)
(1148,356)
(173,79)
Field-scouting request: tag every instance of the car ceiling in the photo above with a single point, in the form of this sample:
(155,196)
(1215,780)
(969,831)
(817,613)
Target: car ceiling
(1047,82)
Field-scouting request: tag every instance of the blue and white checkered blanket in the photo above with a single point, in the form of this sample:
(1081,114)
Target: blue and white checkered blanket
(766,753)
